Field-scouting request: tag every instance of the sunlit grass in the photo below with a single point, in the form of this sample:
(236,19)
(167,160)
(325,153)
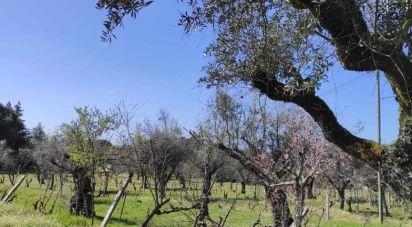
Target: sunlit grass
(15,215)
(139,202)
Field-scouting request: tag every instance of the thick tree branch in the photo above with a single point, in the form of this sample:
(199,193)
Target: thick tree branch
(360,50)
(247,163)
(155,211)
(365,150)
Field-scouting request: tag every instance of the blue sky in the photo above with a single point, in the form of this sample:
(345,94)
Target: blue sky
(52,60)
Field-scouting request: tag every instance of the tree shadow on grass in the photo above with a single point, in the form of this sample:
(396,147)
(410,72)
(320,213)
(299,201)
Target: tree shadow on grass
(109,192)
(102,202)
(114,220)
(366,212)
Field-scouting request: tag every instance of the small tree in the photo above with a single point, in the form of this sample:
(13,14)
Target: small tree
(304,155)
(166,148)
(131,139)
(40,153)
(86,155)
(340,172)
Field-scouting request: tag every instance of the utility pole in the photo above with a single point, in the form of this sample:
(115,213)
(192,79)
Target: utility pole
(378,92)
(378,89)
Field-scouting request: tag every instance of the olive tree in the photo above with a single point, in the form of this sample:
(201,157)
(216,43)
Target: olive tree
(86,155)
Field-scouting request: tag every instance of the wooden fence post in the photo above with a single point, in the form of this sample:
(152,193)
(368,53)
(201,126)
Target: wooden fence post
(116,201)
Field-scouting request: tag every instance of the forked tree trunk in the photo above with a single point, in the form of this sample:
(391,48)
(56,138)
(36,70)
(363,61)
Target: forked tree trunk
(40,178)
(280,208)
(12,177)
(204,211)
(300,199)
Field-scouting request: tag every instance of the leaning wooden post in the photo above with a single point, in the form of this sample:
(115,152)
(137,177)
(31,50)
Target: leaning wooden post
(304,213)
(116,201)
(13,189)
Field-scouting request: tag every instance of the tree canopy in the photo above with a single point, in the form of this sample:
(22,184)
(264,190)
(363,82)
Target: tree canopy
(12,128)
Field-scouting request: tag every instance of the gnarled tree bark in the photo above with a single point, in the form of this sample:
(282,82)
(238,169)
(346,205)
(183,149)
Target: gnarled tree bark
(82,202)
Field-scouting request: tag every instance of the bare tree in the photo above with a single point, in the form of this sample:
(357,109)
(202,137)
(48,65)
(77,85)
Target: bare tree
(341,172)
(166,148)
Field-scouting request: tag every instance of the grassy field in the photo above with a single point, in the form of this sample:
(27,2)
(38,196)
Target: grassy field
(137,204)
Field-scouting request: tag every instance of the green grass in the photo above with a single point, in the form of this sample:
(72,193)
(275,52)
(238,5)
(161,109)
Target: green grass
(138,203)
(15,215)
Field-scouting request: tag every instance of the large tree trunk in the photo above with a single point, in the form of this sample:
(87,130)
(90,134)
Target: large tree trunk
(275,195)
(204,211)
(300,200)
(280,208)
(82,201)
(206,192)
